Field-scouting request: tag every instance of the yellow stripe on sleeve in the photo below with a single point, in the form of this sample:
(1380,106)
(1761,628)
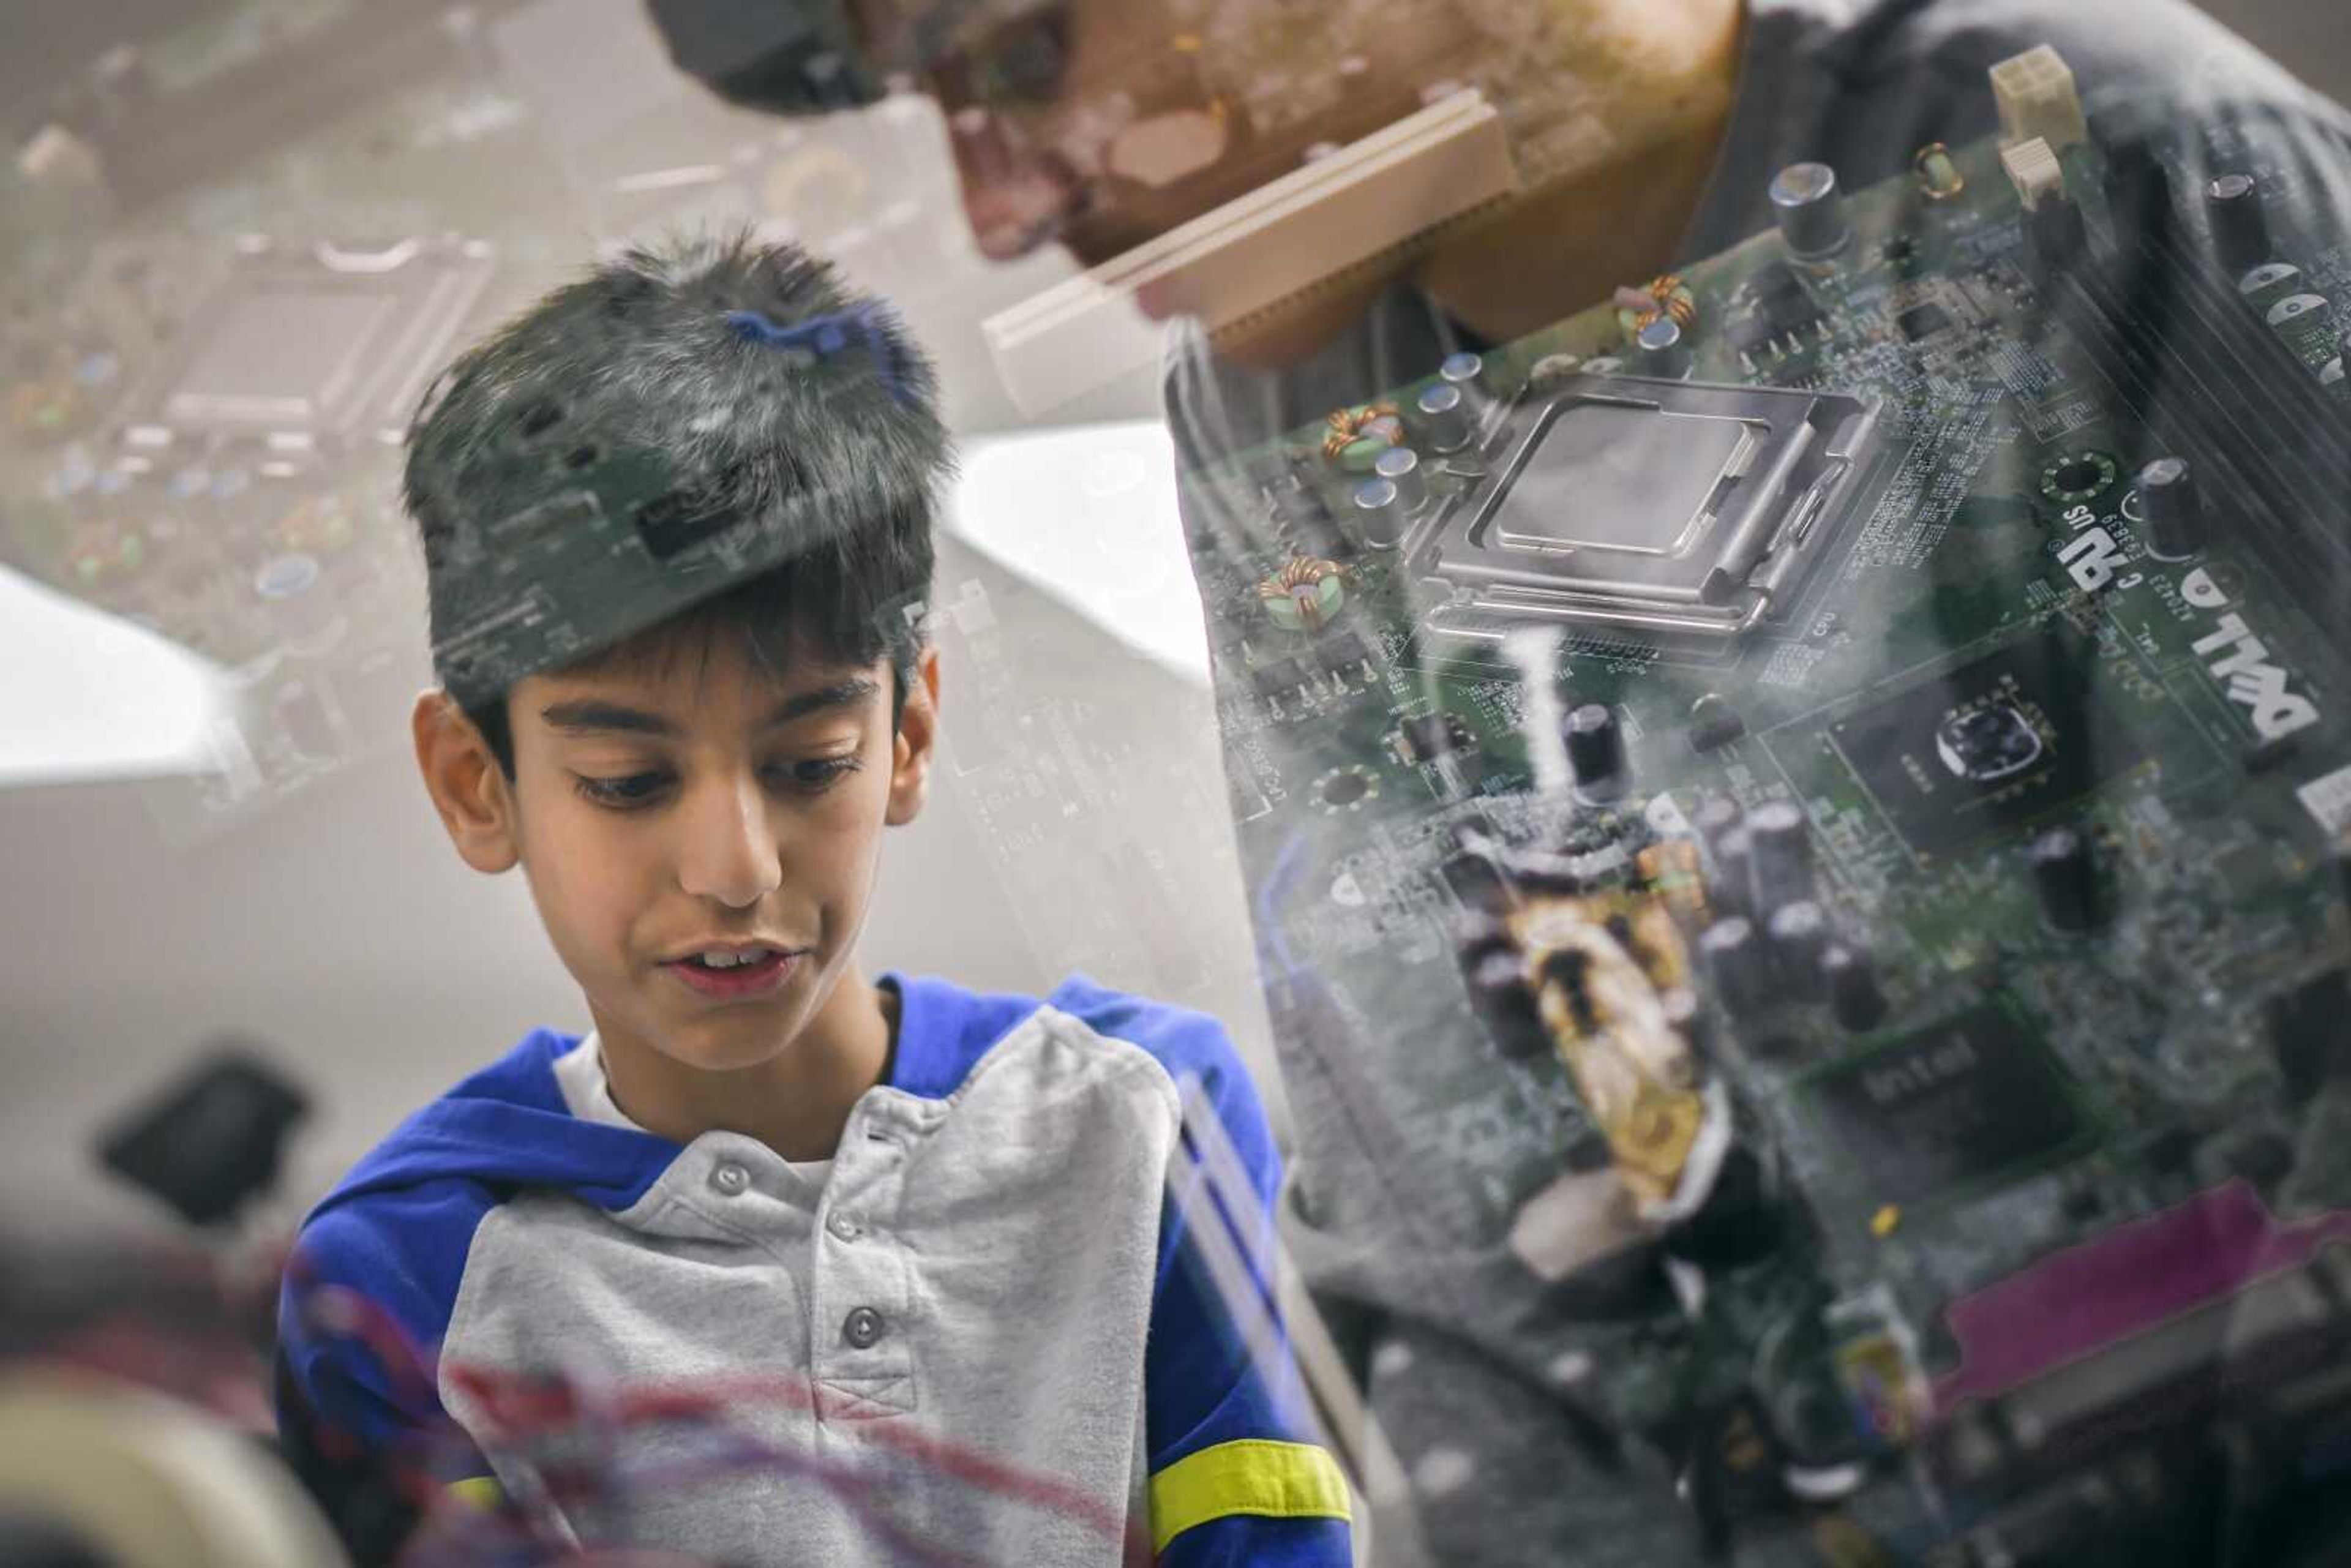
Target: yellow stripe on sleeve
(1249,1475)
(481,1491)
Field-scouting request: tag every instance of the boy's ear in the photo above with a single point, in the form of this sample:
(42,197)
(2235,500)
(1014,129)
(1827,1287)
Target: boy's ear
(466,785)
(917,738)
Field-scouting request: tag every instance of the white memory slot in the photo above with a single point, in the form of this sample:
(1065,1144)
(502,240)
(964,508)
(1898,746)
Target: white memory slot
(1257,250)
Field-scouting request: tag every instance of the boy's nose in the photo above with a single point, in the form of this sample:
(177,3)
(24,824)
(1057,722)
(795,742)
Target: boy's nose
(727,850)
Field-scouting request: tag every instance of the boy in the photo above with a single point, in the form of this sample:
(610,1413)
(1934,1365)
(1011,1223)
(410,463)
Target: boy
(777,1264)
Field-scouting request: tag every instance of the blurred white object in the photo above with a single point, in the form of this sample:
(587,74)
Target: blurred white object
(147,1482)
(92,697)
(1087,513)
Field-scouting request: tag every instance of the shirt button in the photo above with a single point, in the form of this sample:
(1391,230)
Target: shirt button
(848,1230)
(862,1328)
(730,1178)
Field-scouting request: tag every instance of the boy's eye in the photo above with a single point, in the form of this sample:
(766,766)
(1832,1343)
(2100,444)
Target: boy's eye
(635,787)
(810,776)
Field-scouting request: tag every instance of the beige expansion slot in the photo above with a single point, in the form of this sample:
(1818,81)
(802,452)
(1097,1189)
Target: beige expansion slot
(1257,250)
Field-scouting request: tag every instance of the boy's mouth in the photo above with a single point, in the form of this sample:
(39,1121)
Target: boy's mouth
(734,972)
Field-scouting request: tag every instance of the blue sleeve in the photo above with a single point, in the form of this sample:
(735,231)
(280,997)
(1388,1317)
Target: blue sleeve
(1237,1476)
(362,1311)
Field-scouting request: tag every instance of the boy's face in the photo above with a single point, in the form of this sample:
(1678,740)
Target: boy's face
(676,810)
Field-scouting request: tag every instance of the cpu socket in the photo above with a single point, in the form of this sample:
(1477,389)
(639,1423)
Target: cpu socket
(1653,510)
(322,346)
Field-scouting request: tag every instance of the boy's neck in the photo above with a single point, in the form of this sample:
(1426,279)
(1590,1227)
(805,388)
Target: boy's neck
(796,1104)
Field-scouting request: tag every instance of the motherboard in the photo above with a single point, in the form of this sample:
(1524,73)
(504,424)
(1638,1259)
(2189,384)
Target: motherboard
(1857,726)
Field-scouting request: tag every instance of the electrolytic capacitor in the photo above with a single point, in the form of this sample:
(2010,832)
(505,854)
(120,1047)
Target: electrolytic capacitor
(1468,371)
(1735,962)
(2241,229)
(2174,506)
(1662,351)
(1497,980)
(1441,414)
(1783,840)
(1800,935)
(1464,370)
(1400,466)
(1595,752)
(1811,209)
(1732,888)
(1379,513)
(1855,995)
(2065,870)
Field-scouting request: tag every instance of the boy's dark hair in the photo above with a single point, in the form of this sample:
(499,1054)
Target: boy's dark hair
(701,439)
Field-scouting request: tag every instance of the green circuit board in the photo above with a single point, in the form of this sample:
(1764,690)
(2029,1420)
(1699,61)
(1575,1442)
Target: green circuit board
(1986,551)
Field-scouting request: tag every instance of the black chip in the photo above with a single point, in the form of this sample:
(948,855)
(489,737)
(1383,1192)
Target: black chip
(1781,296)
(1438,735)
(1988,743)
(1343,651)
(1776,281)
(1965,1102)
(211,1141)
(1279,678)
(2306,1034)
(1923,322)
(1751,334)
(1942,759)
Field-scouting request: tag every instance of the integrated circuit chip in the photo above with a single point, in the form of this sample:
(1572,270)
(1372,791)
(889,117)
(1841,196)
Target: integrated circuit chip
(1279,678)
(1923,322)
(1675,511)
(1973,1100)
(1990,745)
(1436,734)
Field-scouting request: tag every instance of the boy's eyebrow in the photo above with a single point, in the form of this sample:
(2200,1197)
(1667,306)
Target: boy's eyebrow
(595,715)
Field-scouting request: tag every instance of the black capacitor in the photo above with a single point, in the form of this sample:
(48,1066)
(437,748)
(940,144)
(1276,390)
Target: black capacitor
(1714,723)
(1595,751)
(2065,870)
(1732,952)
(1732,887)
(1781,837)
(1442,414)
(1662,349)
(1855,995)
(1800,935)
(2241,229)
(1505,1004)
(2173,506)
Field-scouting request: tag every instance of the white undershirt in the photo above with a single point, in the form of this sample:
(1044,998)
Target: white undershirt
(588,1093)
